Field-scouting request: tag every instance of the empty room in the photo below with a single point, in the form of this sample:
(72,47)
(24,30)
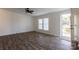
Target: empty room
(39,28)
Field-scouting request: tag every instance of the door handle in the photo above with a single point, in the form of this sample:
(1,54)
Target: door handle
(71,28)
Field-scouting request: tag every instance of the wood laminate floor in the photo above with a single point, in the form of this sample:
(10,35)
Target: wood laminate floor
(33,41)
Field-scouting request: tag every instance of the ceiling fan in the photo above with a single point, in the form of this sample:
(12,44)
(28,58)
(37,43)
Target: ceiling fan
(28,10)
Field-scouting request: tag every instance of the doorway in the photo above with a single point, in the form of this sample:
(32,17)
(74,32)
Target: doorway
(65,27)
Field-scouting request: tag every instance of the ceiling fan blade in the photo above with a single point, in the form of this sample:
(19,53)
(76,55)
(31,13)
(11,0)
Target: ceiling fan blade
(27,10)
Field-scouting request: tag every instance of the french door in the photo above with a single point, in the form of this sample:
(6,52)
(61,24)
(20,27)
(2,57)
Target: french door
(65,27)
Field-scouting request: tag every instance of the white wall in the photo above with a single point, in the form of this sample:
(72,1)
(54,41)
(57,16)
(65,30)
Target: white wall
(11,22)
(54,22)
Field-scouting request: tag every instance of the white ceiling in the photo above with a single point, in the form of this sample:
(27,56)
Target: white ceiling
(41,11)
(37,11)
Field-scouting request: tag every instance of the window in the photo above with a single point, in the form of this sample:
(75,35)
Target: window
(43,24)
(40,26)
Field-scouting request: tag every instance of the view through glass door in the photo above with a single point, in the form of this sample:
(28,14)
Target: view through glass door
(65,27)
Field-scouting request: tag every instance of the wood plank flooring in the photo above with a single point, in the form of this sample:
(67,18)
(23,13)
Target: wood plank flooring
(33,41)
